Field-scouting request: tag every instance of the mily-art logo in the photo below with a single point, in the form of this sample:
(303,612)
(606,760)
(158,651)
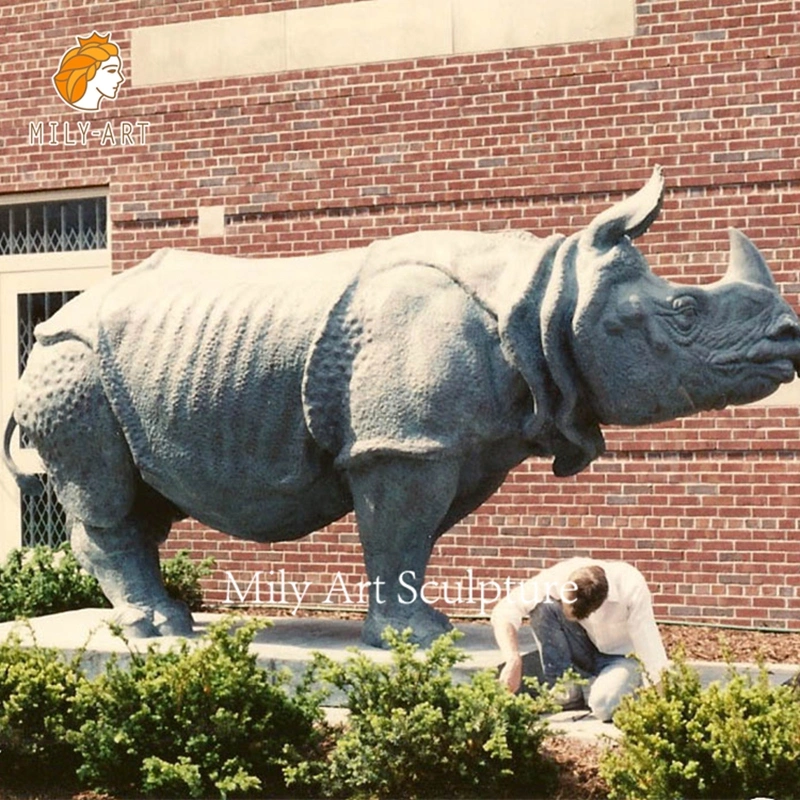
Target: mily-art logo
(89,73)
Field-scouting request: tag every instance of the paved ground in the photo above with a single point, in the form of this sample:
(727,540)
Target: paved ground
(291,641)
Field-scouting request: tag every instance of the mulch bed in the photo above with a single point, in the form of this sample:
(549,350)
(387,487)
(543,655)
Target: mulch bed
(578,763)
(715,644)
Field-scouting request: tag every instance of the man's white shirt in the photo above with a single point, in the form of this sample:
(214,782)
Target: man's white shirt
(623,625)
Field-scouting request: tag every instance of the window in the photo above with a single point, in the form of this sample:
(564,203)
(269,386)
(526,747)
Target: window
(33,308)
(52,246)
(57,226)
(43,519)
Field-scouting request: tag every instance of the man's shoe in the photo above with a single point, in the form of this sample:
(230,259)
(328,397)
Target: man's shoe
(570,698)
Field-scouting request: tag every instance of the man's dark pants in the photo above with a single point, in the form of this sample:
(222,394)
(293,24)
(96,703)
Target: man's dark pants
(564,644)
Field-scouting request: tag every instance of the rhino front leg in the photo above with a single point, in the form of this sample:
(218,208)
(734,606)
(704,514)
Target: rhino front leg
(400,504)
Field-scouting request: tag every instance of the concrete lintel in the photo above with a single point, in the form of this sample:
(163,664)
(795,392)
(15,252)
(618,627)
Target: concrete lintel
(208,49)
(364,32)
(368,32)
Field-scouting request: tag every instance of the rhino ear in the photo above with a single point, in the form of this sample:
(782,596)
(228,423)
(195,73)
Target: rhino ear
(630,217)
(746,262)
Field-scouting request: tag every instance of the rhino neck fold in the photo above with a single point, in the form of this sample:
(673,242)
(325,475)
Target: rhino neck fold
(578,439)
(528,286)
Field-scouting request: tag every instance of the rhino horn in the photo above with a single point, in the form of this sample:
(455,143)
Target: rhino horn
(746,262)
(630,217)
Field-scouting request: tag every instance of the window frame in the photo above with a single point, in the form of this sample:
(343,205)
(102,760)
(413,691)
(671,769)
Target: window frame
(51,271)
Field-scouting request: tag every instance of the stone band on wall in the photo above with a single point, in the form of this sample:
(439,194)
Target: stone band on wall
(365,32)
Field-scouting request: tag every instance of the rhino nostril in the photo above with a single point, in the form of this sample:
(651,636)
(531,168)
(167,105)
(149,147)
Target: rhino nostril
(785,329)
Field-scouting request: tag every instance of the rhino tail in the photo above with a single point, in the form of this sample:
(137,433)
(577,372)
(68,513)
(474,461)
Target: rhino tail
(28,484)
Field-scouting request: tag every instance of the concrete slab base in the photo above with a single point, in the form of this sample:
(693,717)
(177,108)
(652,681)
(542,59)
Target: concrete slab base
(290,642)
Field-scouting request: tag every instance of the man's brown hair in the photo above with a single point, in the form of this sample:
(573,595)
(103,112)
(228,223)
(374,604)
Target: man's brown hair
(591,591)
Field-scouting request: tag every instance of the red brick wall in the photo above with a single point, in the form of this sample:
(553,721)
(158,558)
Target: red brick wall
(706,508)
(539,138)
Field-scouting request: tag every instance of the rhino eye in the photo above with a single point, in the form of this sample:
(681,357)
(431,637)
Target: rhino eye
(684,313)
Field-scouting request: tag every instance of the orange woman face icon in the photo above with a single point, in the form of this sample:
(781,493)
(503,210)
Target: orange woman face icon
(90,72)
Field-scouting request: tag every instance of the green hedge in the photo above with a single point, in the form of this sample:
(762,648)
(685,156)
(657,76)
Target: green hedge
(40,580)
(193,722)
(37,708)
(204,720)
(737,739)
(413,732)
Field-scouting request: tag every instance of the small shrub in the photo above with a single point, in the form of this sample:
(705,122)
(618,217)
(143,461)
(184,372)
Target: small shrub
(37,694)
(413,732)
(182,578)
(739,739)
(193,722)
(40,580)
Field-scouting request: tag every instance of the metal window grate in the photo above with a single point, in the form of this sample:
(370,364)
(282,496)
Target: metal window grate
(53,227)
(43,518)
(32,309)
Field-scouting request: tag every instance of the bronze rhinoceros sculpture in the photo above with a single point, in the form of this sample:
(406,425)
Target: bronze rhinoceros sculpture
(269,397)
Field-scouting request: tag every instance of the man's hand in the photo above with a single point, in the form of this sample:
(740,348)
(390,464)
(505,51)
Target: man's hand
(511,674)
(505,625)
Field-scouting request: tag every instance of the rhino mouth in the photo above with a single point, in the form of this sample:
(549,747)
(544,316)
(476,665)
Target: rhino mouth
(778,359)
(779,369)
(753,380)
(782,370)
(755,375)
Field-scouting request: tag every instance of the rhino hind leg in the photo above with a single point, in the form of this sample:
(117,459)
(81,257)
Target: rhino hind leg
(125,561)
(124,558)
(400,504)
(116,522)
(63,410)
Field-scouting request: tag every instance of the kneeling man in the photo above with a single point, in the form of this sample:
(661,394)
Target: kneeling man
(589,615)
